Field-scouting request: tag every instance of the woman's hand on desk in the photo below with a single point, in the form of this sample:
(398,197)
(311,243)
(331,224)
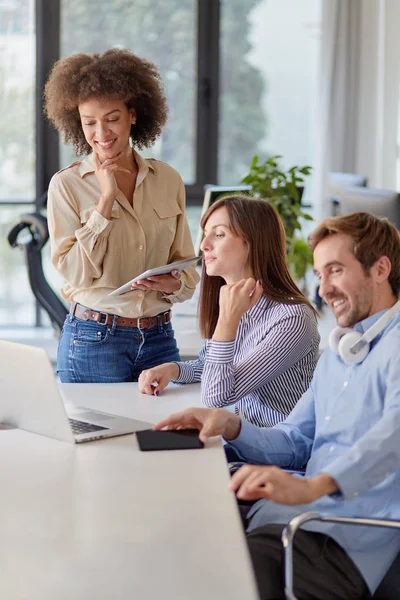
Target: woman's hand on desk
(153,381)
(209,421)
(168,284)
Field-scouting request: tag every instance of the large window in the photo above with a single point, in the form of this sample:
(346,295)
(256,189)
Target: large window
(17,109)
(17,151)
(162,32)
(240,77)
(17,306)
(269,63)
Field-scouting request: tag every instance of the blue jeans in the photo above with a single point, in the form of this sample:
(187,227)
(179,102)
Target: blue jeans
(90,352)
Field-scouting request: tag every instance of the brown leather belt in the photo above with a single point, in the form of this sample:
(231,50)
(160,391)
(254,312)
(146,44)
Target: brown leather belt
(87,314)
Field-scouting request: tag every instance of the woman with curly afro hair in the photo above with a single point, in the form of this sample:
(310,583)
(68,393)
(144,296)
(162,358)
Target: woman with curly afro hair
(114,215)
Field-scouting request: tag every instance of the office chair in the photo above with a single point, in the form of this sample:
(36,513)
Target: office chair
(36,225)
(382,203)
(389,589)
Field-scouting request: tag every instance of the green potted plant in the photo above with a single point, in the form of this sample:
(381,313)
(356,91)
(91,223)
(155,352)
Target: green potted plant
(284,189)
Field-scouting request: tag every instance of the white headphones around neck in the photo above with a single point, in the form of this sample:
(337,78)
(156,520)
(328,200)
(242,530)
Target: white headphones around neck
(353,346)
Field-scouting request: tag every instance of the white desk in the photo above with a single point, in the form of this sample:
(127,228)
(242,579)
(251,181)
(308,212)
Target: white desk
(103,520)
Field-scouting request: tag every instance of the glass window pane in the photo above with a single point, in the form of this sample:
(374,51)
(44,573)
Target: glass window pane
(269,77)
(162,32)
(17,303)
(17,106)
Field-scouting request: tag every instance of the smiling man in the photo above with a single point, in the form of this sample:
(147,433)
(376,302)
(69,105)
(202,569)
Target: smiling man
(345,429)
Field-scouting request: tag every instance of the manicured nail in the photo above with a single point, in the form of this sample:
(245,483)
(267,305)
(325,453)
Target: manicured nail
(156,393)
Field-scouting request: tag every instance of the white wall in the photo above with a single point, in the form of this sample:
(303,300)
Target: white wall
(379,93)
(286,40)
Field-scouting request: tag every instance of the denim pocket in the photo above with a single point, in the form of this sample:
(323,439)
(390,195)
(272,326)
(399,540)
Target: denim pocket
(168,331)
(90,333)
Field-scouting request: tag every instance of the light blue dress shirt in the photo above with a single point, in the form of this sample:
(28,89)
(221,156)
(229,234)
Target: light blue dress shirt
(347,425)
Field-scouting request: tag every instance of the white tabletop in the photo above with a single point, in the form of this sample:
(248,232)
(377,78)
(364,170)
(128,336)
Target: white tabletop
(103,520)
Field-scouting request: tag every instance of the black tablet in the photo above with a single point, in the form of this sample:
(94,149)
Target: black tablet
(180,439)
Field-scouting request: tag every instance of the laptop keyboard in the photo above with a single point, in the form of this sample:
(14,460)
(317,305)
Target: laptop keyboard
(83,427)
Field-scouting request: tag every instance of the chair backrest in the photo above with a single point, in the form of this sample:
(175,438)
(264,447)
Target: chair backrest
(36,225)
(389,589)
(382,203)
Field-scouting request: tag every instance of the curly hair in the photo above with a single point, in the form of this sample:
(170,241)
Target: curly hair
(117,74)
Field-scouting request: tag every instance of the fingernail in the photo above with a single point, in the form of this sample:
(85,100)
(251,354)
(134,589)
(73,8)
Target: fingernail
(156,393)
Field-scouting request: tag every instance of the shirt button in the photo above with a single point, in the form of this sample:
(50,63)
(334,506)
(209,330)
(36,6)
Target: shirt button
(331,448)
(140,247)
(328,418)
(356,494)
(346,383)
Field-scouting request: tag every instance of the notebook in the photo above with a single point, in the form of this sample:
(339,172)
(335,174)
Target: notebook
(30,399)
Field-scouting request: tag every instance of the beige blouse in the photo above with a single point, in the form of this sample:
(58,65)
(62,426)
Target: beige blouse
(96,255)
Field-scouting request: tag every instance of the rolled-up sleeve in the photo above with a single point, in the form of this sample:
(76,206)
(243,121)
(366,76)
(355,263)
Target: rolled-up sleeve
(287,445)
(77,250)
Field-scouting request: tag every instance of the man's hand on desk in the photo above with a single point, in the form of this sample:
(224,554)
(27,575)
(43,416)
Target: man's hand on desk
(253,482)
(209,421)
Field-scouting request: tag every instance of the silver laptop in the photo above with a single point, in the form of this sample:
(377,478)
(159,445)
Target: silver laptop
(30,399)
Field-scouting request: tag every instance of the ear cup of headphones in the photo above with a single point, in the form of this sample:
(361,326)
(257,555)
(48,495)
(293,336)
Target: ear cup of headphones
(335,336)
(346,342)
(341,339)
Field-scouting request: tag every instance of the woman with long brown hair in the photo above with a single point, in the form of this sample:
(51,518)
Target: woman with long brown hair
(260,331)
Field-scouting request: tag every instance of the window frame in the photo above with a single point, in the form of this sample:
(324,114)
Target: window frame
(47,36)
(47,17)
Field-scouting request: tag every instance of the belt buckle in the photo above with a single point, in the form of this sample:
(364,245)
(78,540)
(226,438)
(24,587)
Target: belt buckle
(100,318)
(165,317)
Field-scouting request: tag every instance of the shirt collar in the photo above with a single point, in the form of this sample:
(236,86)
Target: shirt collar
(259,308)
(365,324)
(87,165)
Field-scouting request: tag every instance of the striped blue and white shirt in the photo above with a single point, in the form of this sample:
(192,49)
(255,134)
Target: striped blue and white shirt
(266,369)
